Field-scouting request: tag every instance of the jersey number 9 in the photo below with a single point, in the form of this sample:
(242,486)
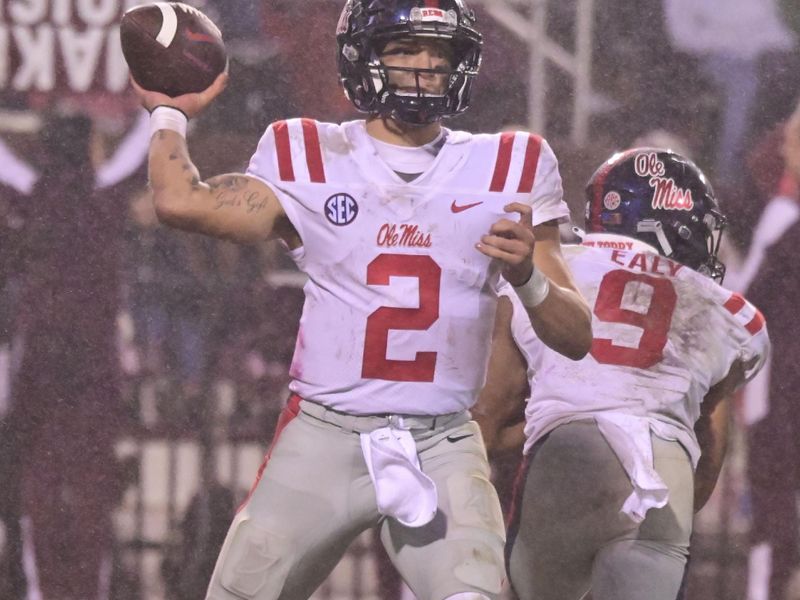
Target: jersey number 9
(654,321)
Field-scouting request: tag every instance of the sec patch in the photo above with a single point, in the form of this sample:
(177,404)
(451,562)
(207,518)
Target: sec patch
(341,209)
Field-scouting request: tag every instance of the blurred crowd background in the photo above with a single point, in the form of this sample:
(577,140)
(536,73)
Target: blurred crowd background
(142,369)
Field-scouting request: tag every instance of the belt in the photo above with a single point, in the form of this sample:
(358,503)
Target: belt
(366,423)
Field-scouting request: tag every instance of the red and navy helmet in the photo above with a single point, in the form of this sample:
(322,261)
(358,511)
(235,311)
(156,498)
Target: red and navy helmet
(662,199)
(366,26)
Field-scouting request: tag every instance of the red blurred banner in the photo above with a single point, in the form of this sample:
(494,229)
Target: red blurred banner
(62,46)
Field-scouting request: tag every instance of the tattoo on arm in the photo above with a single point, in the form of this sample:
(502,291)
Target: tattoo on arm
(234,192)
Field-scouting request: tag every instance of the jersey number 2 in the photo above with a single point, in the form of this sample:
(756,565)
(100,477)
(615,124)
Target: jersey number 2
(654,321)
(385,318)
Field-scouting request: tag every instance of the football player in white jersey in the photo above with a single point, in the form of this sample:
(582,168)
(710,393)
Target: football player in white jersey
(404,229)
(623,446)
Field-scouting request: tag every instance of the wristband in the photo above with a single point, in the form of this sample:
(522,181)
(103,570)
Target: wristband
(533,292)
(166,117)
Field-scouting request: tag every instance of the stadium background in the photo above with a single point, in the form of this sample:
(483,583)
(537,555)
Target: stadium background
(200,391)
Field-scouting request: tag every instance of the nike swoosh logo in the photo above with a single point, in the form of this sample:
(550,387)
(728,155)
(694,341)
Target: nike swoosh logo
(457,438)
(457,209)
(198,37)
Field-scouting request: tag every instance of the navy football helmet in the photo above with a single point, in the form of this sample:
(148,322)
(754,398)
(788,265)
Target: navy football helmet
(366,26)
(662,199)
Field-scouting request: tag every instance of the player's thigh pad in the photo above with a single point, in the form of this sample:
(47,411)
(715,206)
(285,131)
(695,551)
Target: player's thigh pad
(650,563)
(461,550)
(312,500)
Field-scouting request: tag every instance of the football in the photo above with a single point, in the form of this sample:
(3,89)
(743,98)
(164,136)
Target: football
(172,48)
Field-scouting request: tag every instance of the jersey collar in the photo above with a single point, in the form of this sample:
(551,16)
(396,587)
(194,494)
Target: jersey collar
(449,158)
(621,242)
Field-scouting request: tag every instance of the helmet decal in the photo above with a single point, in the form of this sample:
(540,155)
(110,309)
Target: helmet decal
(344,18)
(612,200)
(669,196)
(660,198)
(666,193)
(419,15)
(646,164)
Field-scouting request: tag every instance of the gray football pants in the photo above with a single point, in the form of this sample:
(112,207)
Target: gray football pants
(315,496)
(568,535)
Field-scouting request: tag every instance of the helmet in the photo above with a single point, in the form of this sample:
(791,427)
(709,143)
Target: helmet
(365,27)
(660,198)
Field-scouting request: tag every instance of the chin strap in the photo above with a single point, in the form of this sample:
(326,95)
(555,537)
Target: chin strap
(652,226)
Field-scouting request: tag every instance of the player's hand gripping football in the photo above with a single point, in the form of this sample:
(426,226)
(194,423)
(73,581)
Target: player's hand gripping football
(189,104)
(512,242)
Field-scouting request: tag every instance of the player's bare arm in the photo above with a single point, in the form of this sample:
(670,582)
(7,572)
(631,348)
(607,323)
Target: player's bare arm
(501,404)
(712,435)
(562,320)
(232,206)
(712,431)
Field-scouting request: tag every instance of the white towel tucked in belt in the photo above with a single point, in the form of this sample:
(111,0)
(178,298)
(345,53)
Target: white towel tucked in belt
(629,438)
(402,490)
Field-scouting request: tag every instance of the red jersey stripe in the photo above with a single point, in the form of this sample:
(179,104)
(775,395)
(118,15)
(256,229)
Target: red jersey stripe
(756,323)
(316,171)
(290,411)
(735,303)
(531,162)
(512,518)
(503,162)
(284,148)
(431,3)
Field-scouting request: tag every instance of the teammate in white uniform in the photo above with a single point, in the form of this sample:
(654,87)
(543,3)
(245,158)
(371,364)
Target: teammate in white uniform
(403,228)
(611,441)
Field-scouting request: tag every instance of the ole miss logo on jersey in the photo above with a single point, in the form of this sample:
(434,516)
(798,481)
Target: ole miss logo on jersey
(406,234)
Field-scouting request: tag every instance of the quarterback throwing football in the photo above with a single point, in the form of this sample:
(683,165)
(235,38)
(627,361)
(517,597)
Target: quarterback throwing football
(404,229)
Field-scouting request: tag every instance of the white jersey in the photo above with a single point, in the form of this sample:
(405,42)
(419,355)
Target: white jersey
(663,335)
(399,304)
